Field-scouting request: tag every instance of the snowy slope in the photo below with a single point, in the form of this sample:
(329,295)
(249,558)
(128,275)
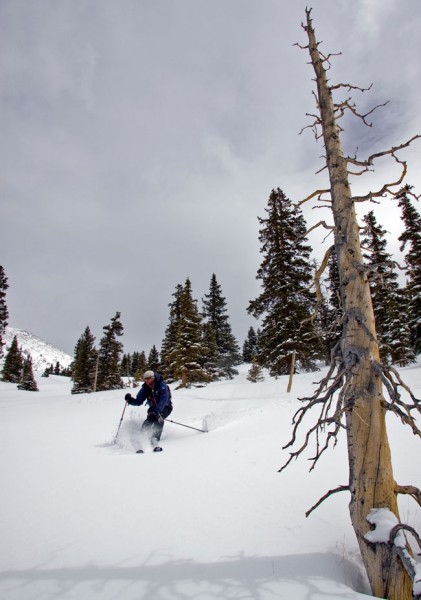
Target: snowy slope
(209,518)
(43,354)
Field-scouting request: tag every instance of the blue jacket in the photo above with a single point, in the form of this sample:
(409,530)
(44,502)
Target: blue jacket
(157,398)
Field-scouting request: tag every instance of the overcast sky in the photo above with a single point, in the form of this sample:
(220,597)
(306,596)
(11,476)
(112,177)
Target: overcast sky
(140,140)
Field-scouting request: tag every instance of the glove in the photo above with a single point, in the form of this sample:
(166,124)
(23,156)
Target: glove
(127,398)
(152,415)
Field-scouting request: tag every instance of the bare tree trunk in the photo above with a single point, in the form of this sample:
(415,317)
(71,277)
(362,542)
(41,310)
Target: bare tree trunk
(184,378)
(371,481)
(291,371)
(96,374)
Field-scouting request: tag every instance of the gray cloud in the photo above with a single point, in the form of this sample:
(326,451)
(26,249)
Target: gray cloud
(140,141)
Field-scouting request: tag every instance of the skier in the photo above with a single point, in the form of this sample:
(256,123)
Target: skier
(157,395)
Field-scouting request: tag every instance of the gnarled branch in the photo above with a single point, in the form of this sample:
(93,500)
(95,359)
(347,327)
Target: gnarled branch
(318,193)
(341,108)
(396,405)
(369,161)
(409,490)
(341,488)
(385,189)
(350,87)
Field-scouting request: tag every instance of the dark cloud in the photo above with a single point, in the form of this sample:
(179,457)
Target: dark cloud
(140,141)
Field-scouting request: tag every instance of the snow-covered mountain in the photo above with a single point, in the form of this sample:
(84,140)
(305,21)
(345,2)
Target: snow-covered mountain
(42,353)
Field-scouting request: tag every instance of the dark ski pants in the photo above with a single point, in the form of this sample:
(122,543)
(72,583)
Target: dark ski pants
(151,426)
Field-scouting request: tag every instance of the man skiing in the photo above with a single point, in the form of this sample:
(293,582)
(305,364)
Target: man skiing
(157,395)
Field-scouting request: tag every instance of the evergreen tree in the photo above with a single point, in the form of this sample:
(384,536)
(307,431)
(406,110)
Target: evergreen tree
(255,373)
(170,339)
(66,371)
(28,382)
(153,359)
(214,313)
(13,363)
(326,326)
(391,326)
(84,364)
(212,357)
(286,300)
(411,239)
(185,359)
(4,314)
(110,349)
(125,365)
(329,315)
(250,346)
(138,365)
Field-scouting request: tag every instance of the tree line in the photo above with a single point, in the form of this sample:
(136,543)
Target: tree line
(198,346)
(295,315)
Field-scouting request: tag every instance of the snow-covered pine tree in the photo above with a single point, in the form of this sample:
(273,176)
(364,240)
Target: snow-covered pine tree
(110,349)
(411,239)
(214,313)
(391,321)
(84,363)
(13,363)
(185,358)
(4,314)
(286,300)
(28,382)
(249,346)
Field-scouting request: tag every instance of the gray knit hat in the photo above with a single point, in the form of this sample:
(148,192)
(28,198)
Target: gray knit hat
(148,374)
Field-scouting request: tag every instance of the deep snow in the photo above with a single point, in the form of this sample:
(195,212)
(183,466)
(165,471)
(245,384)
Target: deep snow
(83,518)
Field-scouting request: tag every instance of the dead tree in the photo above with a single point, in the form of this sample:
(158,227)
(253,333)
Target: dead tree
(351,397)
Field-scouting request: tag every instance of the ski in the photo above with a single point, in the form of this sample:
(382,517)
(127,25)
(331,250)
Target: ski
(156,449)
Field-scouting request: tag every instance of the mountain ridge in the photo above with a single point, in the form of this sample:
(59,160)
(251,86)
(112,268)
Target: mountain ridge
(43,354)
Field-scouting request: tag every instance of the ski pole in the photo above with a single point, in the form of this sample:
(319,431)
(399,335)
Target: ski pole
(189,426)
(121,420)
